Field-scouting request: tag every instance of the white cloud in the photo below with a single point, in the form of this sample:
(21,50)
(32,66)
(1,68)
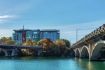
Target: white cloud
(4,18)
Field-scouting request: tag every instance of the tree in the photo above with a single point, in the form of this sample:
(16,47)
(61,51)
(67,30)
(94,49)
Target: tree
(34,43)
(45,43)
(66,52)
(67,43)
(28,43)
(60,43)
(7,41)
(64,46)
(10,42)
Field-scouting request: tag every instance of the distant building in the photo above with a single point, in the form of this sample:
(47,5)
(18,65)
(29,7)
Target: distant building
(50,34)
(22,35)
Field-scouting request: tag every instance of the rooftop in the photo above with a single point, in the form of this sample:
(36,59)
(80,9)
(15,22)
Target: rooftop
(49,30)
(45,30)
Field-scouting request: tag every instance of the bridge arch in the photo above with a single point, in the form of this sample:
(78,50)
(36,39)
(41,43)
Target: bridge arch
(3,52)
(77,53)
(96,52)
(85,52)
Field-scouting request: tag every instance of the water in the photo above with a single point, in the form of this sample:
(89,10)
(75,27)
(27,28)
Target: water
(49,64)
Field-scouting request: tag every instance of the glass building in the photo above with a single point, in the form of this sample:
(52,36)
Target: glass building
(23,35)
(50,34)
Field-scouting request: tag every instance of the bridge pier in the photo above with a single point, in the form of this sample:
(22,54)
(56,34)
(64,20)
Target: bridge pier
(10,52)
(95,41)
(3,52)
(14,52)
(6,50)
(93,51)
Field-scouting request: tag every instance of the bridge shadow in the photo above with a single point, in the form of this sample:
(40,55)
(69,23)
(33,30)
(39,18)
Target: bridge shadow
(2,53)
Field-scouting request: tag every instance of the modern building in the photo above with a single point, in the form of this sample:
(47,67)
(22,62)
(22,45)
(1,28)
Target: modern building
(50,34)
(23,35)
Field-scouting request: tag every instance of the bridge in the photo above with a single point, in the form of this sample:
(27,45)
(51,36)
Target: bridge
(91,46)
(7,50)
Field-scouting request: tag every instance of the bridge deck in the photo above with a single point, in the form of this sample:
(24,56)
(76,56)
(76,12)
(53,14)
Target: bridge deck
(95,36)
(20,47)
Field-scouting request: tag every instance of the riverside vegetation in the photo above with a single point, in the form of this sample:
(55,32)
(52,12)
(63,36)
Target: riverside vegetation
(58,48)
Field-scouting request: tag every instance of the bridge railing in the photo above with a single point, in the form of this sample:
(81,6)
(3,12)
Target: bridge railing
(94,34)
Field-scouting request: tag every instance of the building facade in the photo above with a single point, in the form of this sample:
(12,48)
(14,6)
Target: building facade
(50,34)
(23,35)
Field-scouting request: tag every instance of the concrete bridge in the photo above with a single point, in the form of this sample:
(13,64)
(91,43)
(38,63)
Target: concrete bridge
(92,46)
(6,50)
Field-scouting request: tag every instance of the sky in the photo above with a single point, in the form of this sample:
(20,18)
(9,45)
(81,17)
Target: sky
(65,15)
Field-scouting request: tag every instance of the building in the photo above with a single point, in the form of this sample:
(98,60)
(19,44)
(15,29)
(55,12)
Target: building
(23,35)
(50,34)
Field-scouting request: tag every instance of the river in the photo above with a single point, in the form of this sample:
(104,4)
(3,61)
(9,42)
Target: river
(49,64)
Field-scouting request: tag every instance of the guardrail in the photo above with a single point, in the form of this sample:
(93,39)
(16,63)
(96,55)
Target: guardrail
(94,34)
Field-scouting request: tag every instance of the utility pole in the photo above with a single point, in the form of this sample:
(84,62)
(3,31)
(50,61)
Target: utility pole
(23,27)
(76,34)
(78,29)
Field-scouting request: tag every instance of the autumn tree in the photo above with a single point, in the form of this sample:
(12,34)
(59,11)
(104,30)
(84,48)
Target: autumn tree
(7,41)
(28,43)
(34,43)
(60,42)
(63,45)
(45,43)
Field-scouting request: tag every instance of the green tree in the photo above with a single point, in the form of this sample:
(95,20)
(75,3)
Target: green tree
(64,47)
(67,43)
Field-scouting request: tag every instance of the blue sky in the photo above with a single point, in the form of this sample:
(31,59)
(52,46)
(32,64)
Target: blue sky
(65,15)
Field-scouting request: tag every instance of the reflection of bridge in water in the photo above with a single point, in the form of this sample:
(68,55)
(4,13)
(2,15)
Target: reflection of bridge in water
(92,46)
(6,50)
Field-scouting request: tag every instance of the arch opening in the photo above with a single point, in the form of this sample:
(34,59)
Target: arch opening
(77,53)
(84,52)
(98,52)
(72,53)
(2,53)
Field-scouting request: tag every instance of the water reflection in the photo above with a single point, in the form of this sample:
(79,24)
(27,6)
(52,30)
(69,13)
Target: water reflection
(50,64)
(85,64)
(89,66)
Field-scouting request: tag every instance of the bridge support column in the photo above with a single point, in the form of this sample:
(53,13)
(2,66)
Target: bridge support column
(90,51)
(4,51)
(14,52)
(91,47)
(77,52)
